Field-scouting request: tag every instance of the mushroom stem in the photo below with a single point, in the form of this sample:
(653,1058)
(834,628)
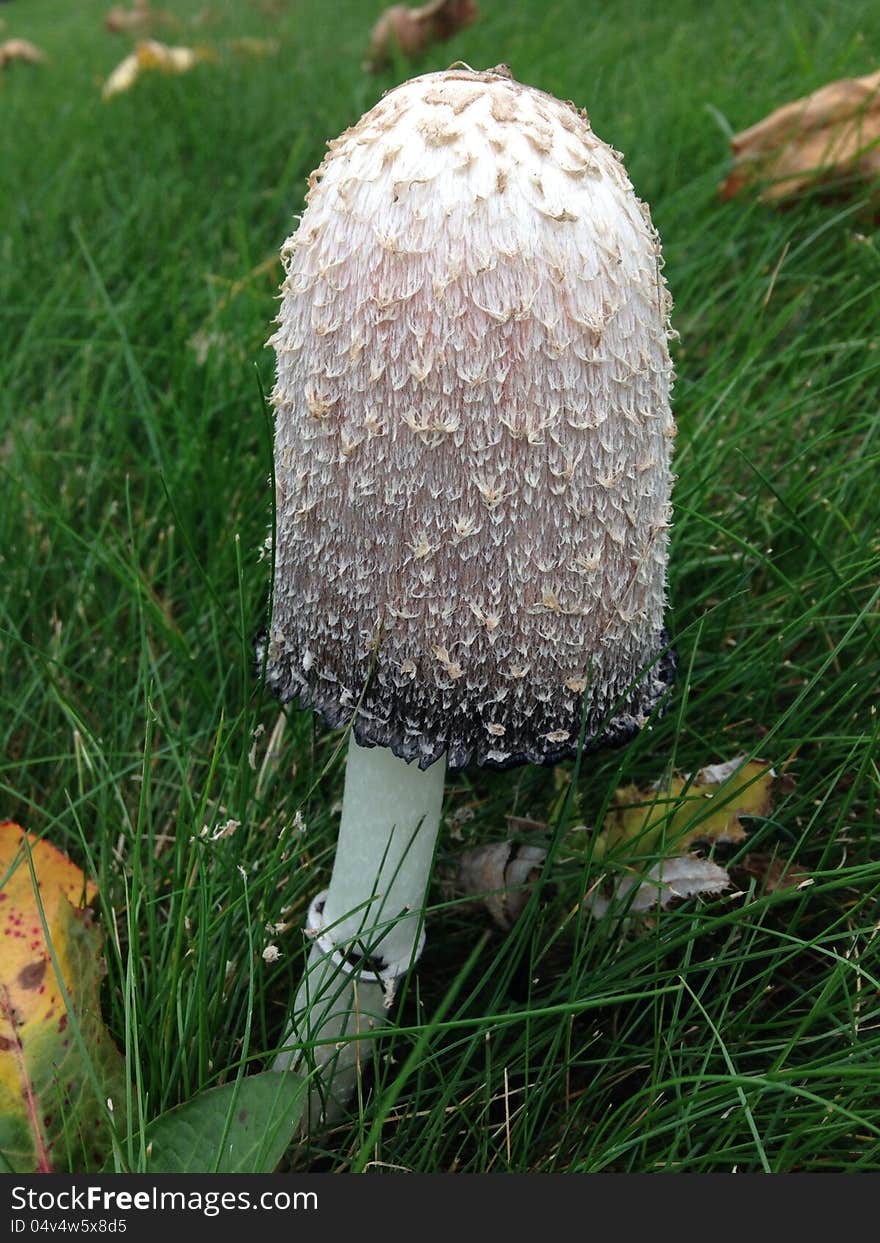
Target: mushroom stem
(367,926)
(390,819)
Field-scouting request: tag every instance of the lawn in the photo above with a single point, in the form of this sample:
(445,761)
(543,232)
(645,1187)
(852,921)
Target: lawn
(138,280)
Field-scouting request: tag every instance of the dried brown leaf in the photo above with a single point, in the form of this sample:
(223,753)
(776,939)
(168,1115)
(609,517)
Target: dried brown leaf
(522,824)
(140,18)
(20,49)
(682,877)
(770,872)
(502,875)
(827,137)
(412,31)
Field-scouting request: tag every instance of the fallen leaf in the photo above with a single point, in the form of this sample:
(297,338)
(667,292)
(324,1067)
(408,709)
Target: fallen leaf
(827,137)
(502,875)
(151,55)
(119,18)
(246,45)
(704,808)
(412,31)
(682,877)
(770,872)
(203,342)
(52,1109)
(20,49)
(139,18)
(123,76)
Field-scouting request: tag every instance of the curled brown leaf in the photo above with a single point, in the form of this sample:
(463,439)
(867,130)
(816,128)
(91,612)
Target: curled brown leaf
(501,875)
(769,872)
(20,49)
(140,18)
(825,138)
(414,30)
(685,876)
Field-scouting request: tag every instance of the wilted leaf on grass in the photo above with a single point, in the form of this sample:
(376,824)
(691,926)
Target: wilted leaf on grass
(240,1128)
(139,18)
(706,807)
(667,820)
(20,49)
(501,875)
(664,819)
(151,55)
(247,45)
(826,137)
(770,872)
(681,877)
(52,1117)
(412,31)
(119,20)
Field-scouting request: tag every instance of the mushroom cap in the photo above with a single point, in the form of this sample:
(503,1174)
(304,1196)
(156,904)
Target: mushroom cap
(473,433)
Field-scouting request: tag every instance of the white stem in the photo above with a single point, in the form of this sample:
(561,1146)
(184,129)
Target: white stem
(331,1009)
(387,834)
(390,817)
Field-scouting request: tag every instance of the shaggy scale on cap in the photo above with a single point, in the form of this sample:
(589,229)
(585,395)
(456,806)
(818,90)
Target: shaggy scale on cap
(473,432)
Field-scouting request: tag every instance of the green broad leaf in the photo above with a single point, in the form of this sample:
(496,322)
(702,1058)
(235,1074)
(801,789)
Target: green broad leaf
(240,1128)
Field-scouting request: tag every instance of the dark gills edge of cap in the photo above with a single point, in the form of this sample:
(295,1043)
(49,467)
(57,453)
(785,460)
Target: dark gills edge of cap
(462,752)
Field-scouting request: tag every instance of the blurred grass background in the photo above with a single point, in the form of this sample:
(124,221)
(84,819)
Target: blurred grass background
(138,278)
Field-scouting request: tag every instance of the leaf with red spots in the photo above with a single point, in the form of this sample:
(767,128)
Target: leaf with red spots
(58,1064)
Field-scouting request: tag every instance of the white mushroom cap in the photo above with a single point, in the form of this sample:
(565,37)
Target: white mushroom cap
(473,432)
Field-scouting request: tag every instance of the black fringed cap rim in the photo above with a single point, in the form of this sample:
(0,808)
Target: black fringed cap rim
(616,729)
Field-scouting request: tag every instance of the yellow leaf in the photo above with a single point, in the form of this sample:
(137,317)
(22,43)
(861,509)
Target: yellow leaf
(151,55)
(25,953)
(123,77)
(48,1104)
(706,807)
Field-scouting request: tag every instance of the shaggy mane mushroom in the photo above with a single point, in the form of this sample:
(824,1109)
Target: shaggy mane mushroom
(472,457)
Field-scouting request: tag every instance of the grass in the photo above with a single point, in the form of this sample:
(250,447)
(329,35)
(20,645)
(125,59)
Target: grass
(137,283)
